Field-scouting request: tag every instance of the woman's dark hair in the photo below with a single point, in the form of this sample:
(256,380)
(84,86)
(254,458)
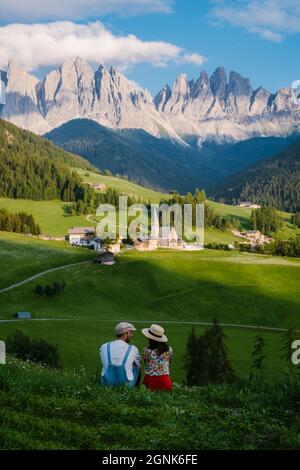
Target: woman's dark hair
(158,346)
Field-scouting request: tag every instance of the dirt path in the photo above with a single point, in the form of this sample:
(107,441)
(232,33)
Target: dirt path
(31,278)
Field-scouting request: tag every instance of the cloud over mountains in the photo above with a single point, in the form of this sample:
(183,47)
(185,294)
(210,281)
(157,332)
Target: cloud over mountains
(49,44)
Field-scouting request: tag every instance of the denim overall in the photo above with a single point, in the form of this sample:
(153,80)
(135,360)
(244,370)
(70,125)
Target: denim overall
(115,376)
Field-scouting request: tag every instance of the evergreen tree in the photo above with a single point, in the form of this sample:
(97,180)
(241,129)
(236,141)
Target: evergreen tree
(258,357)
(206,359)
(220,369)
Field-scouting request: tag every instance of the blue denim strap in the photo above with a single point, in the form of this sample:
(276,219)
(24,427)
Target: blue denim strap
(108,354)
(126,356)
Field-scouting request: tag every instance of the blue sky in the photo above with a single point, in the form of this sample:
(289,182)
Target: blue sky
(258,38)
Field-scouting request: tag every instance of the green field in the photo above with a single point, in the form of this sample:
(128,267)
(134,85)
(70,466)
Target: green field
(23,256)
(54,221)
(161,286)
(43,409)
(50,215)
(122,185)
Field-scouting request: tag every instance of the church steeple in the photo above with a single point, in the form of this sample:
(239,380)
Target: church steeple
(154,224)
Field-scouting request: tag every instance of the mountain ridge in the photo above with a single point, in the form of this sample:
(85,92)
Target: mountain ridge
(159,163)
(216,109)
(272,181)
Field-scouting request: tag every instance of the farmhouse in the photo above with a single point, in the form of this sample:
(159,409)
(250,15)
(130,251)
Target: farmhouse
(97,186)
(96,244)
(106,258)
(250,205)
(145,244)
(255,237)
(81,235)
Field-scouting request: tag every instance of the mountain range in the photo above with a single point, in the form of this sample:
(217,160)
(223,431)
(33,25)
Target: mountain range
(217,109)
(273,181)
(160,163)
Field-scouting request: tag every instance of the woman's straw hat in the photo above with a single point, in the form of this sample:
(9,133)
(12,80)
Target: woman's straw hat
(156,333)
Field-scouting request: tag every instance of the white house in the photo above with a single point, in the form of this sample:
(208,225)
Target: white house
(81,235)
(250,205)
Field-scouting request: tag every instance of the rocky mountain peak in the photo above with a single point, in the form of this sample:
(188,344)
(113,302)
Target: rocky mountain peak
(181,85)
(218,82)
(238,85)
(212,108)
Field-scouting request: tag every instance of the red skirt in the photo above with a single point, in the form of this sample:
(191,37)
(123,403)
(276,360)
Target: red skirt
(158,382)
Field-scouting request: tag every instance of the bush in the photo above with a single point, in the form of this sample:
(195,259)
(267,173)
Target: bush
(35,350)
(206,360)
(39,290)
(50,289)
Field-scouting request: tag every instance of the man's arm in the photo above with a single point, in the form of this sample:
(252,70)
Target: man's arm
(136,357)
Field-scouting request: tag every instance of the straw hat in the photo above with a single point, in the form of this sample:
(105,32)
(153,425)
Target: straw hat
(156,333)
(123,328)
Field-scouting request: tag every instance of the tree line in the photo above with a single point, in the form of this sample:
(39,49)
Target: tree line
(211,219)
(19,223)
(266,220)
(33,168)
(207,361)
(290,247)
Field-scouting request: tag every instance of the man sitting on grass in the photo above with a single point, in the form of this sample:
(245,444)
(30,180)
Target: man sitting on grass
(120,361)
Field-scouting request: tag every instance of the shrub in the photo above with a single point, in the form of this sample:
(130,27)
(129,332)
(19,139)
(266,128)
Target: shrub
(206,359)
(39,290)
(51,289)
(36,350)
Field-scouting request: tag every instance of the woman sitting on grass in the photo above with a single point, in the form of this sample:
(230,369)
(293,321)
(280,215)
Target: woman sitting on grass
(157,358)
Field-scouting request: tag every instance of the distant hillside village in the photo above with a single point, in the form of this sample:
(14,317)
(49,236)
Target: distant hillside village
(161,237)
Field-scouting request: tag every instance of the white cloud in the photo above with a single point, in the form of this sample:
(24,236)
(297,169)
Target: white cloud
(50,44)
(38,10)
(194,59)
(271,19)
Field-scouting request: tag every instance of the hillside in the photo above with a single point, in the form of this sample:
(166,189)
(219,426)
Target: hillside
(148,161)
(274,181)
(42,409)
(175,289)
(33,168)
(159,163)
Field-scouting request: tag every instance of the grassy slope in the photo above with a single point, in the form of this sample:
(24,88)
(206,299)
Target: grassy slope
(122,185)
(41,409)
(161,286)
(52,219)
(22,256)
(50,215)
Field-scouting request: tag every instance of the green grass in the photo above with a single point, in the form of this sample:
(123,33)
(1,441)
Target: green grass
(50,215)
(79,341)
(23,256)
(122,185)
(41,409)
(52,218)
(162,286)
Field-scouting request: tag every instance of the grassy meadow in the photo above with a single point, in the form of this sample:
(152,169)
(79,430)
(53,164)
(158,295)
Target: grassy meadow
(122,185)
(168,287)
(43,409)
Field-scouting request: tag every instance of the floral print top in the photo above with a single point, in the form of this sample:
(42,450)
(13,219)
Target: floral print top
(157,364)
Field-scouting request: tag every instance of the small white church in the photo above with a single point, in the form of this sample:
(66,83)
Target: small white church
(161,237)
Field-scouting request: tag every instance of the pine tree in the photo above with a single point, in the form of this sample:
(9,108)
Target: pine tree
(288,337)
(258,357)
(220,369)
(190,359)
